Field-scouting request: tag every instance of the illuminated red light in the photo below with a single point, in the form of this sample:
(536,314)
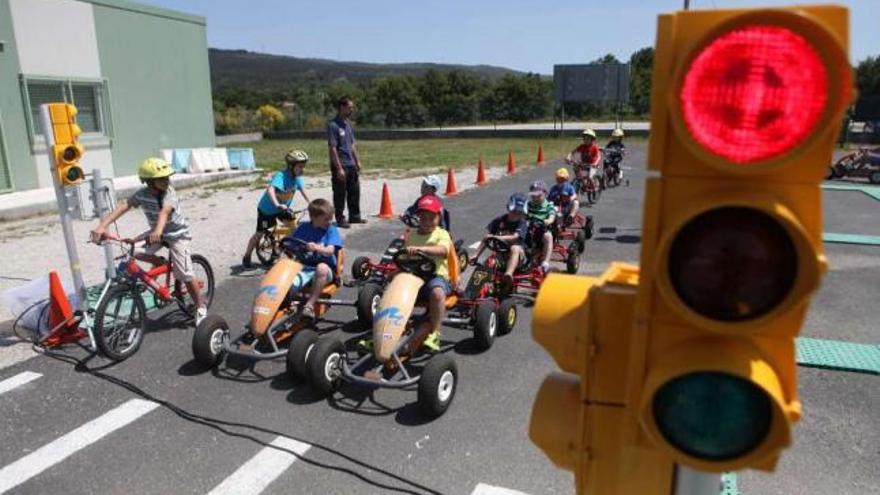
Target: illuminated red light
(754,93)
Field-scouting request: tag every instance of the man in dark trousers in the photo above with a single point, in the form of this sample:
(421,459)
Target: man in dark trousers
(345,165)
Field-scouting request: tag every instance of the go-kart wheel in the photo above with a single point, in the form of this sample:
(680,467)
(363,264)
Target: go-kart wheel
(507,315)
(485,324)
(298,352)
(463,260)
(325,365)
(874,177)
(360,269)
(209,340)
(580,239)
(267,251)
(572,260)
(437,385)
(367,302)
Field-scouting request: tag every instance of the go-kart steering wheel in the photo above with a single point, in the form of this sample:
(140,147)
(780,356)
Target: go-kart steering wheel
(296,248)
(419,264)
(497,245)
(410,220)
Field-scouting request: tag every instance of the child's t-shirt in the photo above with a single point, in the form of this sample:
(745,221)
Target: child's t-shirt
(286,185)
(176,226)
(560,192)
(437,237)
(540,212)
(503,226)
(307,232)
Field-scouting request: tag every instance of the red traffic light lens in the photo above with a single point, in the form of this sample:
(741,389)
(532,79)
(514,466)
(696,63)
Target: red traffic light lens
(732,264)
(754,93)
(70,154)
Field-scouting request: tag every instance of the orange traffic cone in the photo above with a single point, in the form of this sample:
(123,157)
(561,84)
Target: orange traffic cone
(385,210)
(481,174)
(511,163)
(451,189)
(540,154)
(59,306)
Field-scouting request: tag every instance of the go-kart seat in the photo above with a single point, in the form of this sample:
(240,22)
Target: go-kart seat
(333,286)
(454,275)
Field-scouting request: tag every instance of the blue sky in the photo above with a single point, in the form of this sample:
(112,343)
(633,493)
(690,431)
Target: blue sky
(522,35)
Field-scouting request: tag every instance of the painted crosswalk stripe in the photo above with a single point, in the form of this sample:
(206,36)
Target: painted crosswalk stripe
(17,381)
(475,245)
(257,473)
(57,450)
(484,489)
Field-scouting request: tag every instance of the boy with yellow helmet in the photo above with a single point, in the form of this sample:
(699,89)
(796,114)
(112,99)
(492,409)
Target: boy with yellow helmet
(563,195)
(168,227)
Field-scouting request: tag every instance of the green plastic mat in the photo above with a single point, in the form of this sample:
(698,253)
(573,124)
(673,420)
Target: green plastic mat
(728,484)
(873,191)
(838,355)
(870,240)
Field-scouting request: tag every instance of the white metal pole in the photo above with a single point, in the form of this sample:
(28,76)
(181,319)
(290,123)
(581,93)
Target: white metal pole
(692,482)
(99,201)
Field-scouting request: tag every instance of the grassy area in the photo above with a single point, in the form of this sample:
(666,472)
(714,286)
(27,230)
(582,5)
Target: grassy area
(406,155)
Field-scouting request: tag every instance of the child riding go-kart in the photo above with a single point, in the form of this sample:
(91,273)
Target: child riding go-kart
(571,224)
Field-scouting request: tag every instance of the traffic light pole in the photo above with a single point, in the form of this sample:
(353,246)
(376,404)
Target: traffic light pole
(99,201)
(64,213)
(692,482)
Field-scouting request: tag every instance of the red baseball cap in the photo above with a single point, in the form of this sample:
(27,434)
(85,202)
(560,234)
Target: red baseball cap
(430,203)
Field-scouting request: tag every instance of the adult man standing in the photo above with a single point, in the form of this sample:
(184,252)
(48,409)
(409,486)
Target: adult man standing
(345,165)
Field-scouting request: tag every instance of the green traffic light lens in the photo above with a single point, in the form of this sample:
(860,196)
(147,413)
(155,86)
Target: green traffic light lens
(732,264)
(74,174)
(712,416)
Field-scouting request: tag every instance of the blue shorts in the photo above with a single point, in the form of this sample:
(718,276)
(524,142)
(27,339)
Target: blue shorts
(305,277)
(426,289)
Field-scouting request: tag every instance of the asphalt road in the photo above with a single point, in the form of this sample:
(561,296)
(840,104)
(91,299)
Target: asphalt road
(99,429)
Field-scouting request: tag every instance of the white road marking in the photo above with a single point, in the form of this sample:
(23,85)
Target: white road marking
(475,245)
(260,470)
(17,381)
(483,489)
(56,451)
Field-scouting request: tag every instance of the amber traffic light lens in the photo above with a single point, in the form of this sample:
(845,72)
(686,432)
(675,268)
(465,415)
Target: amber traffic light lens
(732,264)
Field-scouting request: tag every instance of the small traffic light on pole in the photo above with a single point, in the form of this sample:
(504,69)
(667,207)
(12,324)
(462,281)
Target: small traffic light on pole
(66,151)
(746,105)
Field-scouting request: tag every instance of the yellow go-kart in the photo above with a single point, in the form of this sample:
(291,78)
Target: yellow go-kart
(394,361)
(275,318)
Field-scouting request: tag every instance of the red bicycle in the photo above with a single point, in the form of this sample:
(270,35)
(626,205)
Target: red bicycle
(120,312)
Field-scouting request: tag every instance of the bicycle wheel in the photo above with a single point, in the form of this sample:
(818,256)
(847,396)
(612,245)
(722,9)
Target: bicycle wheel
(120,322)
(267,251)
(204,275)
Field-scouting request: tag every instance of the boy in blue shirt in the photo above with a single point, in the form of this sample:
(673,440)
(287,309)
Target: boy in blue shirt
(276,200)
(563,195)
(323,241)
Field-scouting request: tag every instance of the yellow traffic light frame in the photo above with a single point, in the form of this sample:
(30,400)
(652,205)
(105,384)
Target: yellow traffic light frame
(831,49)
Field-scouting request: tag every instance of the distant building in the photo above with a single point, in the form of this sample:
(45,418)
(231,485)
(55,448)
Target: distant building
(138,75)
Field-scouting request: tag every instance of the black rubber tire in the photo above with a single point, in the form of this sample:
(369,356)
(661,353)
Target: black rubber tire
(368,297)
(572,260)
(874,177)
(136,321)
(298,353)
(507,316)
(267,250)
(832,174)
(463,259)
(319,360)
(203,351)
(186,303)
(580,239)
(485,324)
(360,268)
(439,367)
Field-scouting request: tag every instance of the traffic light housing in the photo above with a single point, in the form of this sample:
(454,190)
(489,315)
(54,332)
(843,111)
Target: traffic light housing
(745,108)
(67,151)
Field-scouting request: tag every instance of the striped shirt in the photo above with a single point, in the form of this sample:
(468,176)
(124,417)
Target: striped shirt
(176,226)
(540,212)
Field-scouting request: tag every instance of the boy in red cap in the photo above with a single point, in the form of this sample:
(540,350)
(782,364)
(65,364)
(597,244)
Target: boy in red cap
(429,239)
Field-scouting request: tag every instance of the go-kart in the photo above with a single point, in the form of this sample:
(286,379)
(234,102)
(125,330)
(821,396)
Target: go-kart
(275,315)
(589,181)
(525,281)
(577,229)
(395,360)
(564,251)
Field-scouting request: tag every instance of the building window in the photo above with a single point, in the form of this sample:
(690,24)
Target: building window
(88,96)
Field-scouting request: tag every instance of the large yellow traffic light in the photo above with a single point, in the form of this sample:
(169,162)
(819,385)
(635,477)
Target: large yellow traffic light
(745,109)
(67,151)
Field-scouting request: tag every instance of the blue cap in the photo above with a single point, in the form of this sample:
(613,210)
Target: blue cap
(517,202)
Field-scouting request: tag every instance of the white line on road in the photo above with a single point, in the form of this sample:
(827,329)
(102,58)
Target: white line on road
(260,470)
(475,245)
(56,451)
(17,381)
(483,489)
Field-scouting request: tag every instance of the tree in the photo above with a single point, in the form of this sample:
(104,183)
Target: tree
(868,77)
(640,64)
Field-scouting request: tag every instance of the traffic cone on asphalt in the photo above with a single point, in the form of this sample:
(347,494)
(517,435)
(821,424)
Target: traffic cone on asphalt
(540,154)
(511,163)
(451,189)
(59,306)
(481,174)
(385,211)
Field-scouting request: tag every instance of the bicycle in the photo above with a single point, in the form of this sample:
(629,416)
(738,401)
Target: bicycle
(269,245)
(120,312)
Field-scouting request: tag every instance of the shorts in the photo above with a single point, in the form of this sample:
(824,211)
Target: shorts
(426,289)
(267,222)
(305,277)
(523,258)
(181,257)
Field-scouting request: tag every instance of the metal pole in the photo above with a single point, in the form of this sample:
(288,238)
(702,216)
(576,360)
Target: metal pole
(64,213)
(692,482)
(99,201)
(687,4)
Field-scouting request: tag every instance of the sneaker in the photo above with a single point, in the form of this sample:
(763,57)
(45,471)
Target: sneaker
(506,286)
(545,267)
(365,345)
(201,313)
(246,263)
(432,342)
(357,220)
(308,312)
(342,224)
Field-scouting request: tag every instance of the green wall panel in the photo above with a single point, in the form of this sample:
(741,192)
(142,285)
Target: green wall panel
(15,145)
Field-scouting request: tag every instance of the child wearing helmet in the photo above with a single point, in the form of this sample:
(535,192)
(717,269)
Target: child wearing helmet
(616,140)
(512,228)
(585,158)
(276,199)
(563,195)
(541,215)
(429,187)
(168,226)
